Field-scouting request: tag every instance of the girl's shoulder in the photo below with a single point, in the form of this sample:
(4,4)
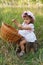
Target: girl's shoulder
(31,25)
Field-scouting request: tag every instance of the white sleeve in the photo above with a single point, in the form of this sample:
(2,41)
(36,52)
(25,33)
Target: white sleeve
(31,26)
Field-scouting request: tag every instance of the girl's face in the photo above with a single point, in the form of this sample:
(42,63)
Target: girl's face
(27,19)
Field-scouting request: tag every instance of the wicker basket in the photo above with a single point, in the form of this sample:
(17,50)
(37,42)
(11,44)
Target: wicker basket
(9,33)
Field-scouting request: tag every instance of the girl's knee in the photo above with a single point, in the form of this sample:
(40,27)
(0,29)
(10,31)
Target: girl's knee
(22,42)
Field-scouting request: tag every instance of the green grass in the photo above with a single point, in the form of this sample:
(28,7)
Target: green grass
(7,52)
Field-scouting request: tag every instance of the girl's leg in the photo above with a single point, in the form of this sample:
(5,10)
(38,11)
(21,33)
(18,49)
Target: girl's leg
(22,43)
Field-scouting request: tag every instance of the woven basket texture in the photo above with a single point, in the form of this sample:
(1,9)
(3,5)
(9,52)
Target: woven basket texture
(9,33)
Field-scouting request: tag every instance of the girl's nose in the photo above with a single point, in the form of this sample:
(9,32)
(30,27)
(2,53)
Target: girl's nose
(25,20)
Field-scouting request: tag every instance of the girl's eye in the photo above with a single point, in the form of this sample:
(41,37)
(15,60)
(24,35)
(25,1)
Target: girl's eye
(26,19)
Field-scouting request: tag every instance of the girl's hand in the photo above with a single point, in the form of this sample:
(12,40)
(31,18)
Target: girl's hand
(14,20)
(17,23)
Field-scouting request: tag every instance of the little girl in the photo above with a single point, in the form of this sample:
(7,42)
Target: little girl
(26,29)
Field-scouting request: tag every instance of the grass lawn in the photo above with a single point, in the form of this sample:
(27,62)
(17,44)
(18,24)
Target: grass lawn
(7,52)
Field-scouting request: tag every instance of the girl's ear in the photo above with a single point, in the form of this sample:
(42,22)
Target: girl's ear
(31,20)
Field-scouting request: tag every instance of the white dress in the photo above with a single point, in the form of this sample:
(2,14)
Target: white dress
(29,35)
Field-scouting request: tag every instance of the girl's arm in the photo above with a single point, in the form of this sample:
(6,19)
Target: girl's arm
(20,26)
(15,21)
(25,28)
